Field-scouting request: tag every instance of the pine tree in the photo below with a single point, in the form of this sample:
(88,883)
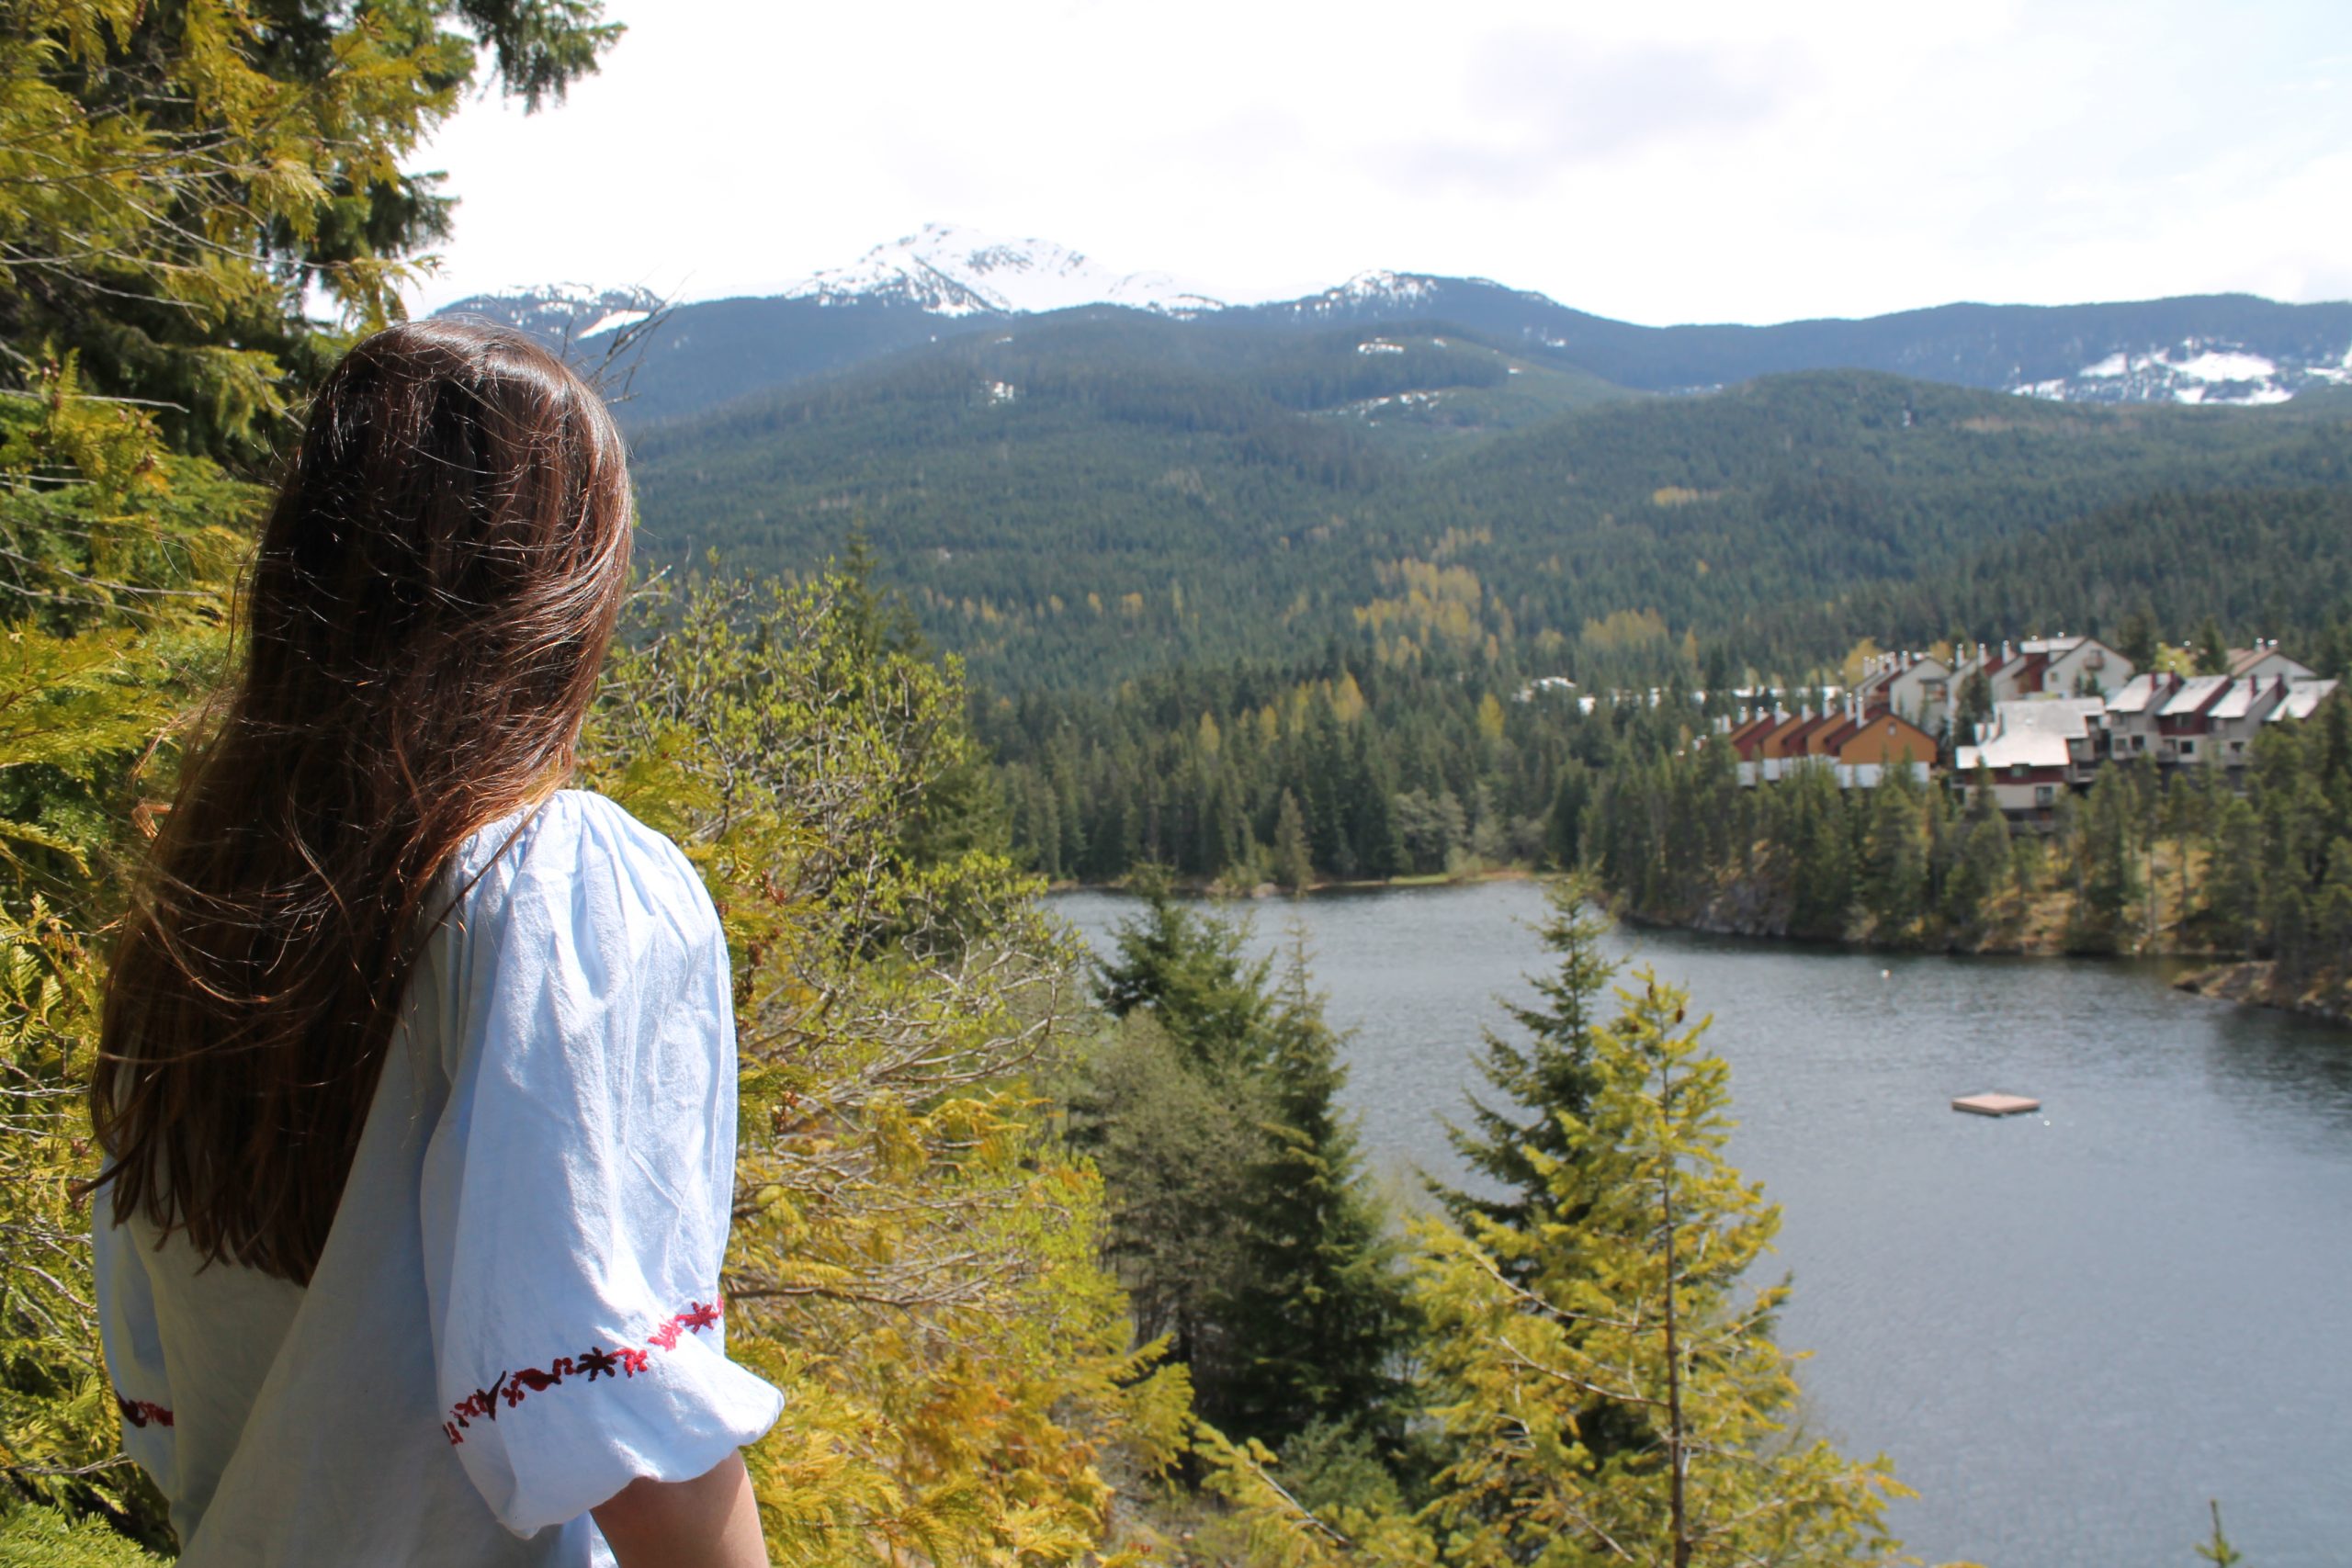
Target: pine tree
(1635,1308)
(1895,862)
(1821,859)
(1187,970)
(1540,1086)
(1294,861)
(2136,638)
(1977,876)
(2212,652)
(2331,917)
(2108,882)
(1563,823)
(2233,879)
(1317,1319)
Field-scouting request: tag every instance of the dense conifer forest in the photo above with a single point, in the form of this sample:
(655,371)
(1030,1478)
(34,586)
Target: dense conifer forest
(1347,768)
(1088,497)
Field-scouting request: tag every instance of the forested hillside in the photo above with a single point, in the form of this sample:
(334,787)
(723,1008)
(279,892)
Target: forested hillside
(2260,560)
(1992,347)
(1086,497)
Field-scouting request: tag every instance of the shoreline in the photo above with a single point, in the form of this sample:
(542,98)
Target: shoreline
(1199,888)
(2325,997)
(2255,982)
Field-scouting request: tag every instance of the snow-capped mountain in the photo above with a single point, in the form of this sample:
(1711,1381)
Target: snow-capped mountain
(943,280)
(1368,292)
(2194,370)
(952,271)
(559,313)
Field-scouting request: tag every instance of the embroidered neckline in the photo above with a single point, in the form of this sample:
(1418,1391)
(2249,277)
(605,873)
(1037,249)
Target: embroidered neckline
(141,1412)
(620,1361)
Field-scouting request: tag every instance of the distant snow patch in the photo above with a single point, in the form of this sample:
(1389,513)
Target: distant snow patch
(2214,365)
(614,321)
(2193,371)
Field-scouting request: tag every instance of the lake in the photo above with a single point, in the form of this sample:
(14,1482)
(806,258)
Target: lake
(2069,1329)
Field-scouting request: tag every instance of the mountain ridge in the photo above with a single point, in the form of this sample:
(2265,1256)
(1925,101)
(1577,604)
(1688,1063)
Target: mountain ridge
(943,280)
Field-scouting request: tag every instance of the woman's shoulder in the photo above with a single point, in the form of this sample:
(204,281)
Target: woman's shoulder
(575,836)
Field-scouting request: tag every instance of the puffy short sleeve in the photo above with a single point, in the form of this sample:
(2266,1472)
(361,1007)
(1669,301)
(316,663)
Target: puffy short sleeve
(577,1190)
(134,1345)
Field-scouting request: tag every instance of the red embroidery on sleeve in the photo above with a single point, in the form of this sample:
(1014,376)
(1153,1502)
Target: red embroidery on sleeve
(621,1361)
(141,1412)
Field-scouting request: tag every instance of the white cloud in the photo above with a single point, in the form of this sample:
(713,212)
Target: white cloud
(1663,161)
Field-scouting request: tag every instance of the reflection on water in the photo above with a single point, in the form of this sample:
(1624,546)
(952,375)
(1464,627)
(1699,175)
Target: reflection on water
(2069,1329)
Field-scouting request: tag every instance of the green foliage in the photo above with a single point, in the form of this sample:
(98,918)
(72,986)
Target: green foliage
(1294,862)
(1634,1306)
(178,177)
(43,1538)
(173,180)
(2107,874)
(1390,769)
(1894,872)
(1241,1219)
(1976,878)
(1185,968)
(113,561)
(1316,1310)
(1174,1145)
(1541,1089)
(1629,1319)
(915,1259)
(57,1419)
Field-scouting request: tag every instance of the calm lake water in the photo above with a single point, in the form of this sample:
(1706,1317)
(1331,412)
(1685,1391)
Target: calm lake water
(2068,1330)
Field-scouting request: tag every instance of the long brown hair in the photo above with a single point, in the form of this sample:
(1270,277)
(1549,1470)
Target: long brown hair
(435,588)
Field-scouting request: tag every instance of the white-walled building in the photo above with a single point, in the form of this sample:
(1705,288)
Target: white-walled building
(2033,751)
(2263,661)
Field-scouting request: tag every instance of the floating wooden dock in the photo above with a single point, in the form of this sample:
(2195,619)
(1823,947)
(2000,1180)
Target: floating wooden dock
(1995,1104)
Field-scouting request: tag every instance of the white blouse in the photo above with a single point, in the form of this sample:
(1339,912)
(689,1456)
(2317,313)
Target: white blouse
(517,1309)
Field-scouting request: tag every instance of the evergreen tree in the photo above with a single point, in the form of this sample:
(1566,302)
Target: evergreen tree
(1173,1143)
(1813,841)
(2136,638)
(2212,652)
(1317,1318)
(2107,880)
(1540,1086)
(1187,970)
(1895,862)
(2233,880)
(2332,919)
(1973,706)
(1635,1308)
(1564,823)
(1977,876)
(1294,861)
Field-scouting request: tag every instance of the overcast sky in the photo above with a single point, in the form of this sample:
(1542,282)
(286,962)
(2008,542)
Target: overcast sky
(1651,161)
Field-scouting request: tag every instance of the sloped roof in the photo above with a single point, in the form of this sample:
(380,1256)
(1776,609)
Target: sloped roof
(2302,697)
(2242,659)
(2192,696)
(2241,696)
(2137,695)
(2066,718)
